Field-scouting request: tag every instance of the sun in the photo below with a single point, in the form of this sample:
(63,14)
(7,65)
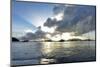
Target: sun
(56,37)
(48,36)
(66,36)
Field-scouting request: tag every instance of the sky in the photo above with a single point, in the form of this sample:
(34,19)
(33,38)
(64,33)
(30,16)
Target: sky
(31,20)
(29,15)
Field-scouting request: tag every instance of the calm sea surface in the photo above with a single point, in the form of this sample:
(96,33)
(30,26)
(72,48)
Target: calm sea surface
(30,53)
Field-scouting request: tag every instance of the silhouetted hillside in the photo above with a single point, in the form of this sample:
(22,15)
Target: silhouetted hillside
(88,40)
(61,40)
(25,41)
(48,40)
(14,39)
(75,39)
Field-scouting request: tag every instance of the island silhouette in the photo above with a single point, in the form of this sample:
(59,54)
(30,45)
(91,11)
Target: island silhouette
(14,39)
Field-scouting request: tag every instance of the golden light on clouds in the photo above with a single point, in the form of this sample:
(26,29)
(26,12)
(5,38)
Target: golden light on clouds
(48,36)
(56,37)
(64,36)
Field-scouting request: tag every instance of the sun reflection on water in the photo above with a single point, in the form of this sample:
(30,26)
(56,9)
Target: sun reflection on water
(49,47)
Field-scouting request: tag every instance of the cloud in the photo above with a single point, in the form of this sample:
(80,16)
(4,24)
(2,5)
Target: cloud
(85,25)
(73,19)
(58,12)
(50,22)
(58,9)
(78,19)
(39,34)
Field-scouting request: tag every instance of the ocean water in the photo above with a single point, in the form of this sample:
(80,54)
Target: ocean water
(33,53)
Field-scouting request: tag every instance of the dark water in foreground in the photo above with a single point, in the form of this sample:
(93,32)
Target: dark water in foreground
(30,53)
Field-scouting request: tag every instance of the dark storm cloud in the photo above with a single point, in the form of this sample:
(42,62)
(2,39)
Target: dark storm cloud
(85,25)
(39,34)
(50,22)
(58,9)
(79,19)
(28,36)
